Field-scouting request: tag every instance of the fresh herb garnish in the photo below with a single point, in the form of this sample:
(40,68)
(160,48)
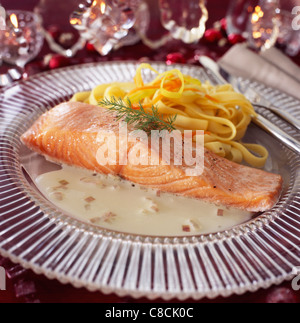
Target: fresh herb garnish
(139,118)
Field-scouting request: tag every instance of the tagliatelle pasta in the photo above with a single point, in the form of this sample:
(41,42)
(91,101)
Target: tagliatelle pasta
(221,112)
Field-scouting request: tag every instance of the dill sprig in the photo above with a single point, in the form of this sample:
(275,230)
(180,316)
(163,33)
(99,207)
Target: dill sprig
(139,118)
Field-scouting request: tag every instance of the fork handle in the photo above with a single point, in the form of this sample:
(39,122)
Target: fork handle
(283,115)
(282,136)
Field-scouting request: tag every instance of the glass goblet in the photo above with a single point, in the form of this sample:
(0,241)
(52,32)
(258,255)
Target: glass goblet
(264,27)
(186,20)
(22,39)
(239,14)
(107,24)
(256,20)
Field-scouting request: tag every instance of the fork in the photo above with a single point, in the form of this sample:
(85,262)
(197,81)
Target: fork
(258,101)
(292,143)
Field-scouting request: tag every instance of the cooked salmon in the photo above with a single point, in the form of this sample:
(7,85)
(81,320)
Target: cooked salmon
(69,134)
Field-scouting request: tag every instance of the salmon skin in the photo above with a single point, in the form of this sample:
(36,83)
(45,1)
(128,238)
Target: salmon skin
(68,133)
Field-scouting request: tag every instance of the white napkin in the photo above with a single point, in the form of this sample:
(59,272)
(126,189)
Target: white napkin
(2,18)
(271,68)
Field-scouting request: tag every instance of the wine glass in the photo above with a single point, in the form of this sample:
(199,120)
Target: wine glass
(239,15)
(22,39)
(186,20)
(264,25)
(257,20)
(107,24)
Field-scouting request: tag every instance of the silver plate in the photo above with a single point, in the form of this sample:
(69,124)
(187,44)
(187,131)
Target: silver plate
(35,234)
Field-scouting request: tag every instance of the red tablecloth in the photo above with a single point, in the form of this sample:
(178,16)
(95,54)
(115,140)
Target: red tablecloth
(25,286)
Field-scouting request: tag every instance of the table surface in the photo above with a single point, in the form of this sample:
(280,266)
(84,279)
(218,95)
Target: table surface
(23,285)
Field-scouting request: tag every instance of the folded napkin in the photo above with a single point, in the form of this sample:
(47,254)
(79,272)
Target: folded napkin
(271,68)
(2,18)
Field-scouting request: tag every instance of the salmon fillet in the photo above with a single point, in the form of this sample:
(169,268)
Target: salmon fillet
(67,134)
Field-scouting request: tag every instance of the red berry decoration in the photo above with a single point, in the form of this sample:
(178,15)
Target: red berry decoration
(59,61)
(223,23)
(175,58)
(213,35)
(90,47)
(235,39)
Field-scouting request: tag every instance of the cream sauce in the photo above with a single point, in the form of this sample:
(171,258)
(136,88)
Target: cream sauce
(115,204)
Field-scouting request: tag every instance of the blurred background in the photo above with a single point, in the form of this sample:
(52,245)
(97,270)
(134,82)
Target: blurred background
(174,31)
